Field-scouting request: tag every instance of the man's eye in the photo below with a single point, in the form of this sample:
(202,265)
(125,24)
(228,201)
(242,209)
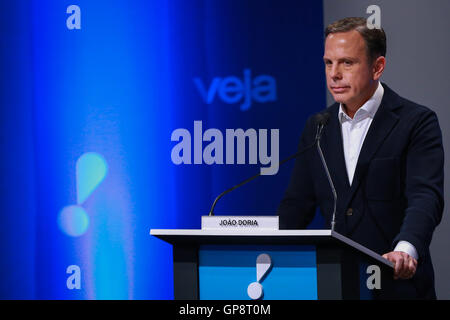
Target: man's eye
(348,62)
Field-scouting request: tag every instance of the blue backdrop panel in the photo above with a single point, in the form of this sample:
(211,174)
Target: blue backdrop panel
(225,272)
(17,200)
(283,41)
(87,119)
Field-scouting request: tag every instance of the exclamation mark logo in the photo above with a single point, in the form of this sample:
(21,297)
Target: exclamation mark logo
(263,266)
(91,170)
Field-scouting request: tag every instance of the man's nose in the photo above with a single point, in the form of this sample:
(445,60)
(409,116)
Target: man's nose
(335,72)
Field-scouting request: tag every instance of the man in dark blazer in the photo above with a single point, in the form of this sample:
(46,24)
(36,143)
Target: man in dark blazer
(385,157)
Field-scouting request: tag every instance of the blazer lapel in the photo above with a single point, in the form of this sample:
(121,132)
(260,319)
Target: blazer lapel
(333,151)
(381,126)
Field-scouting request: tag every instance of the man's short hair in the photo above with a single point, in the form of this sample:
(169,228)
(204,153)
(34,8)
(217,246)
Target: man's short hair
(375,38)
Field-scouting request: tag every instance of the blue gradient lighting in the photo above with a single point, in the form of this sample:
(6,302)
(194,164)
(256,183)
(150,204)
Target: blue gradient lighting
(88,116)
(100,132)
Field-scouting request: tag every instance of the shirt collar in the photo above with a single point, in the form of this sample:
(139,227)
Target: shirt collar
(367,109)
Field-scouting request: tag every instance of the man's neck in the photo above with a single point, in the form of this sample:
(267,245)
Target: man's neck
(351,109)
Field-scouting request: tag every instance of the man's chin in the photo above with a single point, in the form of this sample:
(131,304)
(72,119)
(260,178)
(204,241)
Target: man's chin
(339,98)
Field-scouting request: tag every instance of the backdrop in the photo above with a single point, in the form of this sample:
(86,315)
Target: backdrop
(417,45)
(114,121)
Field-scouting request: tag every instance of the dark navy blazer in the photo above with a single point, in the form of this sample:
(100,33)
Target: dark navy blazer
(396,193)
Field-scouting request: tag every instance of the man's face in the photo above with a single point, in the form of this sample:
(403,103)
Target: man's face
(350,77)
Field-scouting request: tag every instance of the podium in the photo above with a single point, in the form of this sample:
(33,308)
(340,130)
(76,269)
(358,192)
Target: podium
(231,264)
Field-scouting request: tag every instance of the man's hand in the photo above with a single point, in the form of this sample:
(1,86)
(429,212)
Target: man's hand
(404,265)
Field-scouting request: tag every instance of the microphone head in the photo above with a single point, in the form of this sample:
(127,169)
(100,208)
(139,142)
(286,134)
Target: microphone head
(322,118)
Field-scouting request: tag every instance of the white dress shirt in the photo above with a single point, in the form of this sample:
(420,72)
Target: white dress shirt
(354,132)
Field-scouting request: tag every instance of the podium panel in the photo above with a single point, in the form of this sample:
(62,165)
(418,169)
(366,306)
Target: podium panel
(226,272)
(274,264)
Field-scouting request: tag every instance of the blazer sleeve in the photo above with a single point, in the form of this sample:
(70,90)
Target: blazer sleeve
(298,206)
(424,184)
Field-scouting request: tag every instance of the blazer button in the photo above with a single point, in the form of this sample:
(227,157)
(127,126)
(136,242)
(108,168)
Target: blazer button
(349,212)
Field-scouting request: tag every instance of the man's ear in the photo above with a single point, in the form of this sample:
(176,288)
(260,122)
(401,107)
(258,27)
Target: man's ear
(378,67)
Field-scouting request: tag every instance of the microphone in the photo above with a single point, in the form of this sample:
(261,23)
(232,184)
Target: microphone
(321,120)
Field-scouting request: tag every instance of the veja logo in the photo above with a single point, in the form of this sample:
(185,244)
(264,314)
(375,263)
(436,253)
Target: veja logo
(233,90)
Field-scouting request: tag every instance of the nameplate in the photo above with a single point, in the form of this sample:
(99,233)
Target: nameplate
(240,222)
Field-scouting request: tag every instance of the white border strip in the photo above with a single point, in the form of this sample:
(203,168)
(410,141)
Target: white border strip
(232,232)
(256,232)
